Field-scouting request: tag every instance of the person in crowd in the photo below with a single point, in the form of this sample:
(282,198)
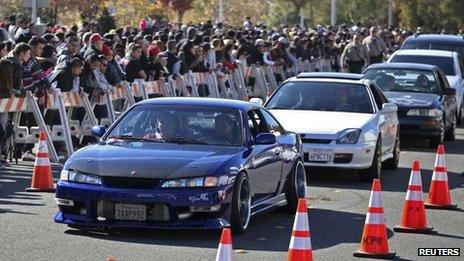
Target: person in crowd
(375,46)
(6,90)
(66,74)
(19,55)
(354,56)
(131,63)
(95,45)
(114,73)
(33,76)
(173,62)
(71,49)
(3,49)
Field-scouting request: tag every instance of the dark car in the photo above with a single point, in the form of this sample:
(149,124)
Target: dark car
(183,163)
(444,42)
(426,103)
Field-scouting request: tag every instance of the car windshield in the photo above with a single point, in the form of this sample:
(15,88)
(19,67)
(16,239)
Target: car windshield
(180,124)
(403,80)
(322,96)
(446,64)
(444,46)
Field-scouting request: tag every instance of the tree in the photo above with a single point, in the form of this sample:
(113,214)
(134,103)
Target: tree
(178,6)
(106,22)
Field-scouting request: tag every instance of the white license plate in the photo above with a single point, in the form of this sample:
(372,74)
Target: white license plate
(130,212)
(321,155)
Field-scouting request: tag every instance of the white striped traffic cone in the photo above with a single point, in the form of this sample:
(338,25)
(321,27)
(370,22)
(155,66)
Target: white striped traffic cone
(413,219)
(42,180)
(439,194)
(300,243)
(374,238)
(225,246)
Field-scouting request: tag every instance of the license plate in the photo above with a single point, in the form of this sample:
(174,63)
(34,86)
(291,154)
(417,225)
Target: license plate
(321,155)
(130,212)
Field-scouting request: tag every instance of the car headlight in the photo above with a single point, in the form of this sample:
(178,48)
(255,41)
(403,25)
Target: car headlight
(425,112)
(349,136)
(198,182)
(74,176)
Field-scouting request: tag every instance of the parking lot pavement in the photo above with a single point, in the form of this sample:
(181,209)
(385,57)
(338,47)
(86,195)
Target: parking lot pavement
(337,210)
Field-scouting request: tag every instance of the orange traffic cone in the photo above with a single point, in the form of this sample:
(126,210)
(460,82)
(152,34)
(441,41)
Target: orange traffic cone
(413,219)
(111,258)
(439,195)
(42,176)
(300,243)
(374,238)
(225,246)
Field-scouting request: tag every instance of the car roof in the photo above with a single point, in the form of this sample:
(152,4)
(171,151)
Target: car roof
(426,52)
(451,38)
(330,75)
(418,66)
(361,81)
(207,102)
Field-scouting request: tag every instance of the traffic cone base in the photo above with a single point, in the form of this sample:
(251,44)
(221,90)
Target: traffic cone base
(433,206)
(428,230)
(40,190)
(371,255)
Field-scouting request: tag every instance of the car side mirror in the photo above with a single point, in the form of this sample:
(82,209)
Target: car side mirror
(98,131)
(389,107)
(258,101)
(266,138)
(449,91)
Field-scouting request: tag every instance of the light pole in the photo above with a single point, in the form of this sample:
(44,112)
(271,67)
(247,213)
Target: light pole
(221,11)
(34,11)
(333,18)
(390,12)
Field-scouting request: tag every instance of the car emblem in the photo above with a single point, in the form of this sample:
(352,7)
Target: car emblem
(133,173)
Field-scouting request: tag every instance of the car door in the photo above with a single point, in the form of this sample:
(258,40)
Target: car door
(266,159)
(387,126)
(460,75)
(448,101)
(286,141)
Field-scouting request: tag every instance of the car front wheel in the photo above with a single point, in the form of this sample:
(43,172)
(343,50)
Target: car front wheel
(241,205)
(296,186)
(374,171)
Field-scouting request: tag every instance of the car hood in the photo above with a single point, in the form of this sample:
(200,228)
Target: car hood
(413,99)
(150,160)
(320,122)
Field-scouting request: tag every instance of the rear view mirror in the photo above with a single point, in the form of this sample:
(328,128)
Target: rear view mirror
(449,91)
(266,138)
(389,107)
(98,131)
(258,101)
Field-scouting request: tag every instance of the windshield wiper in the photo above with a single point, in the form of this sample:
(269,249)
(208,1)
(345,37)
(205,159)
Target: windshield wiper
(125,137)
(185,140)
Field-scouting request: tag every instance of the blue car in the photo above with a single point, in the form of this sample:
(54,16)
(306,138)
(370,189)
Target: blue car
(183,163)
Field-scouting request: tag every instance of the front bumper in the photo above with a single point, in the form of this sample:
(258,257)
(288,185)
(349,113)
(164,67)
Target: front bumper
(422,126)
(177,202)
(349,156)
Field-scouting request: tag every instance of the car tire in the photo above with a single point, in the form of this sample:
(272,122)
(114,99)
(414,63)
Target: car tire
(437,140)
(450,134)
(460,115)
(295,187)
(241,205)
(394,162)
(374,171)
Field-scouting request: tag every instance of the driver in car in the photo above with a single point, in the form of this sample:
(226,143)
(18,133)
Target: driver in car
(224,126)
(166,126)
(422,82)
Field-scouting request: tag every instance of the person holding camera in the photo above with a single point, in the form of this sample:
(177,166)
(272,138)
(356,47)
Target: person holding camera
(354,56)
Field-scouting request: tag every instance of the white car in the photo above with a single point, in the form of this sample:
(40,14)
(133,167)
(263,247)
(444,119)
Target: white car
(344,121)
(448,62)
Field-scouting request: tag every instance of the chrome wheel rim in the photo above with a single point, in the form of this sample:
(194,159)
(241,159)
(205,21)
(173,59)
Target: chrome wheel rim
(245,204)
(300,181)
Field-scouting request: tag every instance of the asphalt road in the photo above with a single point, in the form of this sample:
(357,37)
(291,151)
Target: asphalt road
(337,210)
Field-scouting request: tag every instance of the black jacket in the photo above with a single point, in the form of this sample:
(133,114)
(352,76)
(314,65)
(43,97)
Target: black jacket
(63,77)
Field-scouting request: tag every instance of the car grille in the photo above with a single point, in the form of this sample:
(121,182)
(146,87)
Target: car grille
(318,141)
(133,183)
(155,211)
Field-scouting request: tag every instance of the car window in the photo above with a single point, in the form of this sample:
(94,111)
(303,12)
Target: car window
(444,46)
(176,123)
(403,80)
(446,64)
(257,123)
(378,96)
(273,125)
(321,96)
